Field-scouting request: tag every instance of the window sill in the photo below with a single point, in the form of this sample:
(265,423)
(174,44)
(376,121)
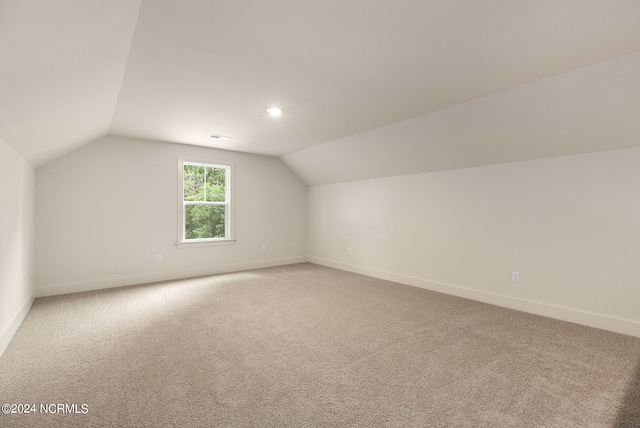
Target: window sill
(197,244)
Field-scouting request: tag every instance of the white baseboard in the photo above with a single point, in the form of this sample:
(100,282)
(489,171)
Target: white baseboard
(10,330)
(164,275)
(604,322)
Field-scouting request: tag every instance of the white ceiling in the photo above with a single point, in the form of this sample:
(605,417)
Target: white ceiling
(72,71)
(590,109)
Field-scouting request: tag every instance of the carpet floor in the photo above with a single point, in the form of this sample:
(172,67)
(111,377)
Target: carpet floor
(309,346)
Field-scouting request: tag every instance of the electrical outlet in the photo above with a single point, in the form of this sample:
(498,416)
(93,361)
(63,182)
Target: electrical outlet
(159,258)
(515,276)
(349,251)
(264,248)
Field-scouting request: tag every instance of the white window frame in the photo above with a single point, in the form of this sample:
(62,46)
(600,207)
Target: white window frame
(229,203)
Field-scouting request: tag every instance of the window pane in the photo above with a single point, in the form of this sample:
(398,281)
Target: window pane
(194,183)
(204,221)
(216,178)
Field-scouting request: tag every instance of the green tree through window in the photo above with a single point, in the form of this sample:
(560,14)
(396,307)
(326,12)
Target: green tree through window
(205,201)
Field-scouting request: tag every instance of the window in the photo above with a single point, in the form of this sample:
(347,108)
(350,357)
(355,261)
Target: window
(205,202)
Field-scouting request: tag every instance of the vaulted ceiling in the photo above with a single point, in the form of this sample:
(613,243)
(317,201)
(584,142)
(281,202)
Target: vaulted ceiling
(414,85)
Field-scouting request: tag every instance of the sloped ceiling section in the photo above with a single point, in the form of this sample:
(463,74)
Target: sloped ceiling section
(62,64)
(594,108)
(368,87)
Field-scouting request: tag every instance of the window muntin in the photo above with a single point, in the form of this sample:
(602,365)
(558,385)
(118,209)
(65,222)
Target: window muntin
(206,205)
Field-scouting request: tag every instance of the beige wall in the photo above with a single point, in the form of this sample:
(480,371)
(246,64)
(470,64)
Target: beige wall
(16,241)
(569,225)
(104,211)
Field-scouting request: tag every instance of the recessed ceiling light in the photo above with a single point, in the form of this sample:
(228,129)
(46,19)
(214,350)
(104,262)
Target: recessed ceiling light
(220,137)
(275,111)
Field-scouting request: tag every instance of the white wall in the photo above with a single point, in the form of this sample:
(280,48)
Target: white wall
(104,211)
(16,241)
(569,225)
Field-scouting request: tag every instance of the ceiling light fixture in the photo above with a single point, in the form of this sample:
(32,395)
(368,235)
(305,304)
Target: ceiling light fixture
(275,111)
(220,137)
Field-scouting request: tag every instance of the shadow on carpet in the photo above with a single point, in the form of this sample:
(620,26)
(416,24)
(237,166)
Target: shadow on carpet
(629,412)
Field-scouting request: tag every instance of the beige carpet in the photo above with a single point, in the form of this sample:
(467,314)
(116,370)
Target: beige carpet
(305,345)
